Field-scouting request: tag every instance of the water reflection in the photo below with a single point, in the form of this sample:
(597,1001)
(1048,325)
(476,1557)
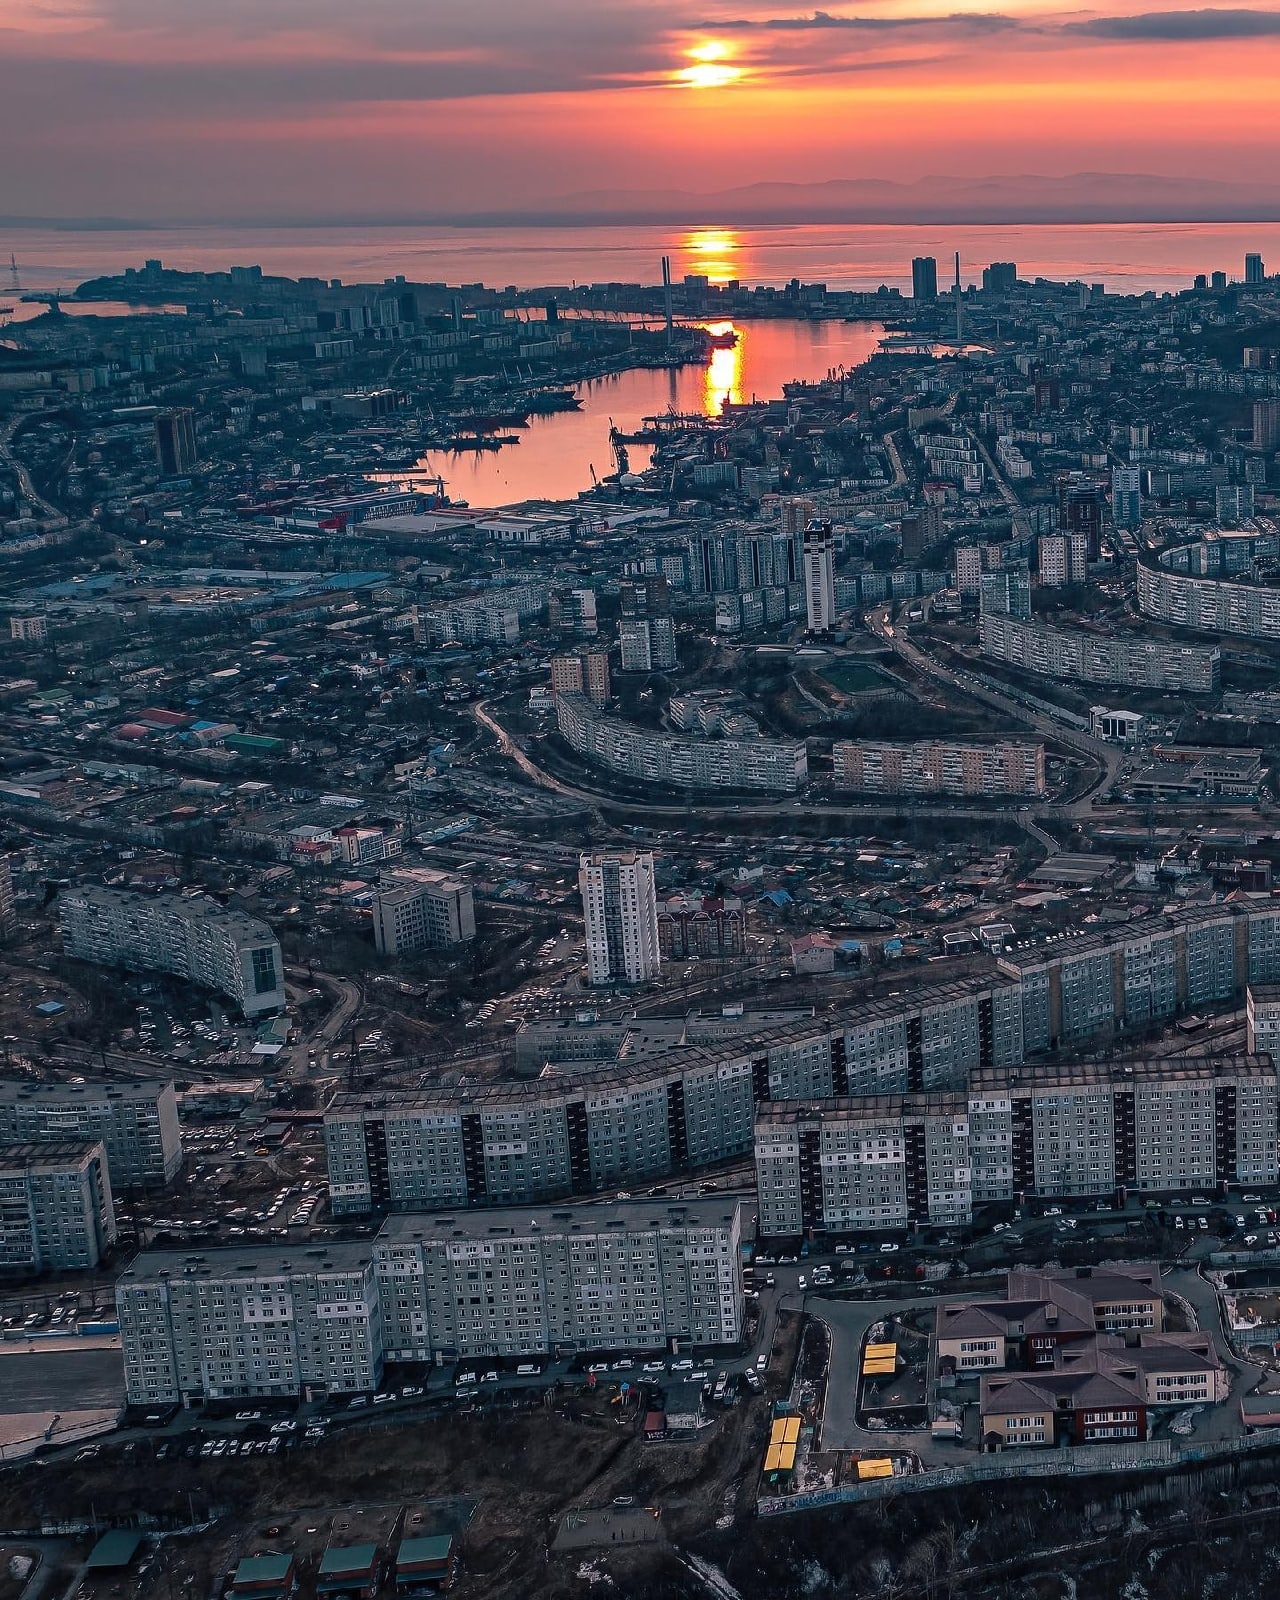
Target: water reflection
(723,380)
(713,253)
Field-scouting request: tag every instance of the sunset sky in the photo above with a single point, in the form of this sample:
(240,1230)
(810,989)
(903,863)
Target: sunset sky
(295,109)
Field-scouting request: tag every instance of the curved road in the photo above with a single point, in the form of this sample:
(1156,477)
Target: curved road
(892,806)
(49,511)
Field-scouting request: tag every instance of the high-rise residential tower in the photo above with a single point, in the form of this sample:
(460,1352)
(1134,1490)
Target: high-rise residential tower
(820,577)
(620,905)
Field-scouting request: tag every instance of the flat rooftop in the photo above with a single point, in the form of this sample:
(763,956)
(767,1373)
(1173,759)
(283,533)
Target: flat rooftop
(246,1261)
(629,1216)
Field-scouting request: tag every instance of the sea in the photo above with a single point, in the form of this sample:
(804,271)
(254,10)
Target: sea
(1124,257)
(564,453)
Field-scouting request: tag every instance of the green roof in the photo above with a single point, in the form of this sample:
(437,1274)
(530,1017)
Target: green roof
(341,1561)
(433,1550)
(252,741)
(263,1569)
(115,1549)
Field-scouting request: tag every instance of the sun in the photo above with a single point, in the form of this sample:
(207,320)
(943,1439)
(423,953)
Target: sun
(709,66)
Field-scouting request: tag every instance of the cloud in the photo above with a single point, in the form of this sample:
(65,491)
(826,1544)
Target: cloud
(823,21)
(1179,26)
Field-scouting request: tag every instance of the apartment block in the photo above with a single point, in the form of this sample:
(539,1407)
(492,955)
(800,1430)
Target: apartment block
(620,910)
(136,1123)
(1064,559)
(1168,1126)
(243,1323)
(1089,658)
(614,1120)
(882,1162)
(770,766)
(937,767)
(1262,1014)
(419,909)
(1204,604)
(276,1323)
(56,1212)
(1087,985)
(192,936)
(584,671)
(1165,1126)
(631,1275)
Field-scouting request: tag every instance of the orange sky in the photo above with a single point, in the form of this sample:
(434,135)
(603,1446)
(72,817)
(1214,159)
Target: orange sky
(286,109)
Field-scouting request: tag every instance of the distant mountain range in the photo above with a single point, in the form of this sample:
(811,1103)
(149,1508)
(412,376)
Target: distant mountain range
(1080,197)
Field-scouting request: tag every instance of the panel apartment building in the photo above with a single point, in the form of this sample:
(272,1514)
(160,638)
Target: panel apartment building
(767,766)
(620,913)
(621,1121)
(1057,1131)
(232,1322)
(56,1213)
(606,1118)
(137,1124)
(192,936)
(419,909)
(935,766)
(279,1322)
(1079,657)
(630,1275)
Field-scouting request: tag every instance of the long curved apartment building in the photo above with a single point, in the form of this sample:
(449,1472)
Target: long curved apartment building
(586,1124)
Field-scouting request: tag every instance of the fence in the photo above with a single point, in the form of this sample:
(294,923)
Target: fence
(1159,1455)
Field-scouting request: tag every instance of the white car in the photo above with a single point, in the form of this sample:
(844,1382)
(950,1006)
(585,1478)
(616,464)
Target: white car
(598,1366)
(248,1416)
(284,1427)
(464,1378)
(683,1365)
(802,1282)
(888,1249)
(654,1366)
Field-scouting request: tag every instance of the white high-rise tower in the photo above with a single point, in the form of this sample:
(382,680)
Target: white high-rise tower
(620,905)
(820,577)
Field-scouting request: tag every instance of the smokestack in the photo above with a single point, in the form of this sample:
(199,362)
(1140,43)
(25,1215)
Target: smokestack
(666,294)
(959,306)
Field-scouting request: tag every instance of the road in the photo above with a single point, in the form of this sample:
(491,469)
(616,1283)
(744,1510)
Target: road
(787,806)
(1107,756)
(63,1380)
(347,997)
(48,511)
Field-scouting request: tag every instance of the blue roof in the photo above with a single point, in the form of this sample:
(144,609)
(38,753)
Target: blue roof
(780,897)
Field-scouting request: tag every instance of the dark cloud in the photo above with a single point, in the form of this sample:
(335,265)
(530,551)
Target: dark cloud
(1175,26)
(820,21)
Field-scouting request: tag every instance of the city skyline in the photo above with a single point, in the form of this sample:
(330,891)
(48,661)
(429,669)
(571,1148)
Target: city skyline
(500,110)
